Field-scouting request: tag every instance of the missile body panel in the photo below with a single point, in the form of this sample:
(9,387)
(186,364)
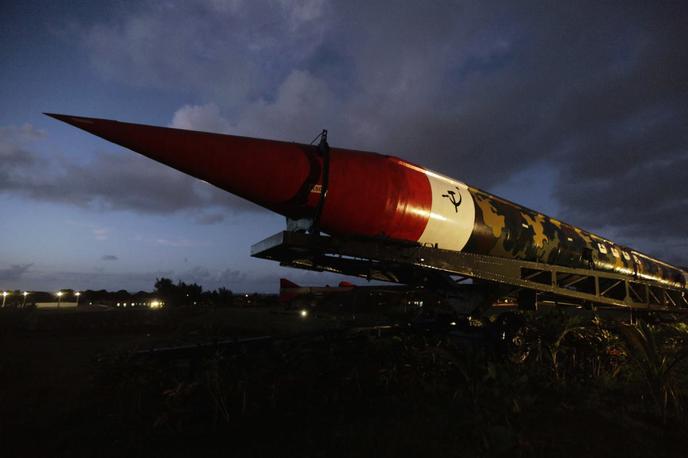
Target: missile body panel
(362,194)
(398,200)
(504,229)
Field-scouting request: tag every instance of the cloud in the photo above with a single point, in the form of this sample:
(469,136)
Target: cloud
(109,257)
(210,218)
(11,135)
(483,96)
(100,233)
(296,112)
(239,281)
(200,117)
(229,51)
(31,278)
(14,272)
(300,106)
(178,243)
(211,279)
(108,181)
(478,90)
(15,143)
(49,280)
(634,199)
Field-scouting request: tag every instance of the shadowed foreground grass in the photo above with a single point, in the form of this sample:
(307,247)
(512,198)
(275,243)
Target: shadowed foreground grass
(586,388)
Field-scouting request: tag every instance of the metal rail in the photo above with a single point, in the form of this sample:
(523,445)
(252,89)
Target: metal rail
(405,263)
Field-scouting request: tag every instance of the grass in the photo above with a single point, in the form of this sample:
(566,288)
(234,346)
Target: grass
(586,387)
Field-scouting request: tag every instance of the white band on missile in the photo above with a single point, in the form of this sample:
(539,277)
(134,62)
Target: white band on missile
(452,216)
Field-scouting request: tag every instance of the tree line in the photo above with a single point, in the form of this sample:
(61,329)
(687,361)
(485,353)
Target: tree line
(172,294)
(181,293)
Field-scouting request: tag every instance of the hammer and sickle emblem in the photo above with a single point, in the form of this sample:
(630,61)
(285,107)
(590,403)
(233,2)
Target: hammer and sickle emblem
(451,195)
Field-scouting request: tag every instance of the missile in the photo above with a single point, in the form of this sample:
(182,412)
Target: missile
(289,290)
(362,194)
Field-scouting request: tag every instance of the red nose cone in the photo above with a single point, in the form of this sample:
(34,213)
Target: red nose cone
(269,173)
(369,194)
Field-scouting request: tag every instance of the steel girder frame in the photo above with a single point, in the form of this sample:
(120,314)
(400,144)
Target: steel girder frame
(397,262)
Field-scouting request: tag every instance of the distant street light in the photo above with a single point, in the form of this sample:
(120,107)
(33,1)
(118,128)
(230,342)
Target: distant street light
(77,294)
(59,298)
(4,297)
(25,293)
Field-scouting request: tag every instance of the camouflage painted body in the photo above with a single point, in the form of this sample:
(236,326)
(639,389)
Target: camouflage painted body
(507,230)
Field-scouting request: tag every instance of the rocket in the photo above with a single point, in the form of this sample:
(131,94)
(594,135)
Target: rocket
(289,290)
(353,193)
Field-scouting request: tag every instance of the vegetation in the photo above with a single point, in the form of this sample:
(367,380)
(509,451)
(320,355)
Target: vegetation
(413,393)
(191,294)
(558,385)
(657,351)
(179,294)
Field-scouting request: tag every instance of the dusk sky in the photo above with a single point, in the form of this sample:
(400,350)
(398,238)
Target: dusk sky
(576,109)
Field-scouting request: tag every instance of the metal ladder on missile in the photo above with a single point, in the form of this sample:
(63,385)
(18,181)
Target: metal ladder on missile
(397,262)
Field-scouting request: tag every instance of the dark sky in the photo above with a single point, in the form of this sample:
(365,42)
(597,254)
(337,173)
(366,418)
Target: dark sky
(578,109)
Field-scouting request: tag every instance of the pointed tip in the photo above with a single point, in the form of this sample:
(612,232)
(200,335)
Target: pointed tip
(58,116)
(54,115)
(73,120)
